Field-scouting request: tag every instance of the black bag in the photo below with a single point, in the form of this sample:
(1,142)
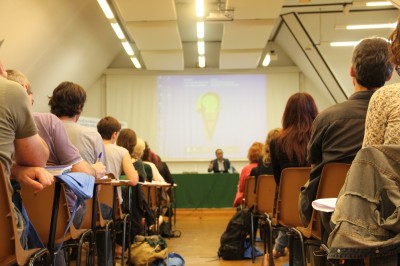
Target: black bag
(166,230)
(233,239)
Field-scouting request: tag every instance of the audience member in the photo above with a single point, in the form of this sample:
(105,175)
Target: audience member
(20,142)
(264,166)
(220,164)
(140,209)
(289,149)
(382,125)
(67,102)
(162,167)
(137,159)
(338,131)
(119,159)
(252,155)
(62,151)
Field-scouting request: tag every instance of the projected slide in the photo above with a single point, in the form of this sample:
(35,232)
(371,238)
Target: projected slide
(198,114)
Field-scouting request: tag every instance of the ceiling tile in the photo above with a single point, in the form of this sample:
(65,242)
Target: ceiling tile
(239,59)
(155,35)
(147,10)
(163,60)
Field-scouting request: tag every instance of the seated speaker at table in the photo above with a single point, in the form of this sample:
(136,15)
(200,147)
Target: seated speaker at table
(220,164)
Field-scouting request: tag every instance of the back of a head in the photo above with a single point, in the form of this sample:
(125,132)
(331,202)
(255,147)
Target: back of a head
(299,114)
(273,133)
(395,44)
(108,126)
(139,148)
(254,152)
(370,62)
(127,139)
(18,77)
(68,99)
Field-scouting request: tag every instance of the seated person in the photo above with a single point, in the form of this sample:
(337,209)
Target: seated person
(220,164)
(253,155)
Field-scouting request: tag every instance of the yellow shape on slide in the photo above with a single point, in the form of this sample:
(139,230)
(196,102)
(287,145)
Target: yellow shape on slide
(208,105)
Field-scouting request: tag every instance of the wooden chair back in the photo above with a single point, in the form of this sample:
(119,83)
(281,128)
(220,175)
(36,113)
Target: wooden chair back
(265,194)
(292,179)
(11,250)
(39,208)
(332,179)
(249,197)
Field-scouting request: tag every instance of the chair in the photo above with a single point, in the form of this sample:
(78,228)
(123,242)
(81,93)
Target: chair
(249,197)
(287,213)
(109,196)
(332,179)
(264,206)
(11,250)
(40,213)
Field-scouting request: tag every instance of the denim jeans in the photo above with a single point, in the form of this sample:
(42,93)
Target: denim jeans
(282,241)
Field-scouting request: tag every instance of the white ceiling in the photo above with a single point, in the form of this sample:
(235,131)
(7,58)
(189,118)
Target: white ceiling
(72,40)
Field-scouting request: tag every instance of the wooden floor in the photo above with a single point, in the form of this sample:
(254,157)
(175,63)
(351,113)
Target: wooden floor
(201,231)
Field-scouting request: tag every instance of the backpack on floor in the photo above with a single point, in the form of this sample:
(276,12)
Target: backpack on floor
(233,239)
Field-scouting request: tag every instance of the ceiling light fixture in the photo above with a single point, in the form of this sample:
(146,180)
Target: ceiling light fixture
(366,26)
(200,8)
(128,48)
(106,9)
(202,61)
(343,44)
(200,47)
(136,62)
(267,60)
(200,29)
(118,31)
(380,3)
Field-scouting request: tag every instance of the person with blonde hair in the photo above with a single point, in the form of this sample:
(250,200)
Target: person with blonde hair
(264,166)
(253,154)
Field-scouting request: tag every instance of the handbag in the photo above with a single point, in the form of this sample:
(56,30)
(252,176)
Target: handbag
(147,249)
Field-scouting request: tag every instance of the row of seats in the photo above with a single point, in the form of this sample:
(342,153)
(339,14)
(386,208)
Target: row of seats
(278,207)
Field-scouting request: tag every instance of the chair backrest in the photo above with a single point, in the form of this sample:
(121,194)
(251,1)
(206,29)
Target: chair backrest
(39,208)
(265,194)
(292,179)
(249,197)
(11,251)
(332,179)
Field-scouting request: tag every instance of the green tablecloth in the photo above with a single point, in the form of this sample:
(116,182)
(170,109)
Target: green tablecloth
(205,190)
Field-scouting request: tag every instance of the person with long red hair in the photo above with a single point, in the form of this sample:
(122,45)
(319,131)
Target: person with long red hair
(289,148)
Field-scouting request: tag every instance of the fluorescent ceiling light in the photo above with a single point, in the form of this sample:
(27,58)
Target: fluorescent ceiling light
(202,61)
(106,8)
(136,62)
(201,48)
(267,60)
(381,3)
(367,26)
(118,31)
(200,29)
(200,8)
(339,44)
(128,48)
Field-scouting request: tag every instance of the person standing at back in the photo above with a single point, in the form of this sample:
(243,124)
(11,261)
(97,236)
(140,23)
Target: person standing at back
(289,149)
(220,164)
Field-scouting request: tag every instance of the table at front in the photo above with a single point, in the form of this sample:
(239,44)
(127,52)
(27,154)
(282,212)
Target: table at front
(205,190)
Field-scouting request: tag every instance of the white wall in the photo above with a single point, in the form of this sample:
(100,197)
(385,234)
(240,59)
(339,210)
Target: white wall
(130,96)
